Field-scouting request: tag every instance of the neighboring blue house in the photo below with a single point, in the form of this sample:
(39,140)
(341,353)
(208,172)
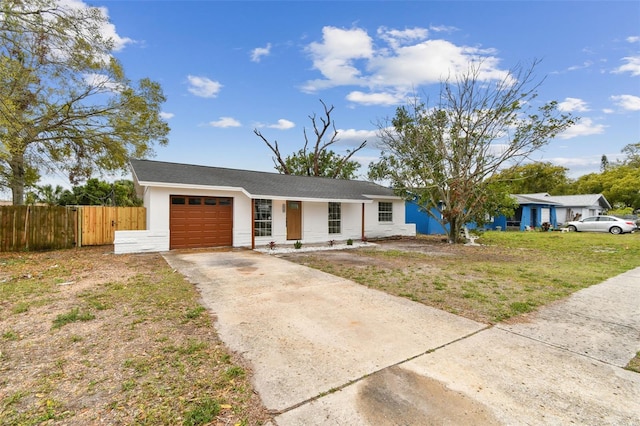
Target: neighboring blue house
(425,224)
(533,210)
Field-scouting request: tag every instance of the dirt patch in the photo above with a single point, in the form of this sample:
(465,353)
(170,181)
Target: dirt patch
(90,337)
(436,247)
(395,396)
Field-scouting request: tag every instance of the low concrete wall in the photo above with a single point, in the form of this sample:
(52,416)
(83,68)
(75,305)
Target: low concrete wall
(141,241)
(406,230)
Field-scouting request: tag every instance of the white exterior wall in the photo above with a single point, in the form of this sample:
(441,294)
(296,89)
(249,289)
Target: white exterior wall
(157,202)
(561,212)
(315,226)
(398,227)
(545,215)
(351,222)
(315,223)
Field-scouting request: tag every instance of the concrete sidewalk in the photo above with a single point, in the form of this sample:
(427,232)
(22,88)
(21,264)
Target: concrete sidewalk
(327,351)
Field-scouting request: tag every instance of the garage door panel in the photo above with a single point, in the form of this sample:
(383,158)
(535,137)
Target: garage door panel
(201,222)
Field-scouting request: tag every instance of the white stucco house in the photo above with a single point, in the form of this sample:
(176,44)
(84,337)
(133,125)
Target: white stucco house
(571,207)
(191,206)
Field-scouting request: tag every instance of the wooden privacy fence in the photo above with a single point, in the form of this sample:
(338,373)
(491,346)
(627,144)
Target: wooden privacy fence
(49,228)
(98,224)
(36,228)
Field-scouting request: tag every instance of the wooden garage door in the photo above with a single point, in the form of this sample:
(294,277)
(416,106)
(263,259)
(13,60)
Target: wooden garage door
(200,221)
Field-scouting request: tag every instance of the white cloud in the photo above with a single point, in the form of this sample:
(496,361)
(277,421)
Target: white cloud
(633,39)
(442,29)
(407,60)
(375,98)
(355,137)
(396,38)
(573,105)
(167,115)
(632,66)
(579,166)
(575,161)
(259,52)
(584,65)
(584,127)
(334,57)
(430,62)
(282,124)
(627,102)
(608,111)
(203,87)
(225,122)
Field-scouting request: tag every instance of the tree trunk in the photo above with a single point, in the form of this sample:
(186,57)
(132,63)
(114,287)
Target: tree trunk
(16,181)
(451,235)
(455,227)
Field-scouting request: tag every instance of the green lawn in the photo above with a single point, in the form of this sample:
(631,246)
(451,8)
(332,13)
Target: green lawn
(509,274)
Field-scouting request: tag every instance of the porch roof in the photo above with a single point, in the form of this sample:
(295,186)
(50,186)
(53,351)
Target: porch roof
(538,199)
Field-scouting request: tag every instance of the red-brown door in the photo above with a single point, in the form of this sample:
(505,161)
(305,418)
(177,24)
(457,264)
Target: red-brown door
(294,220)
(197,221)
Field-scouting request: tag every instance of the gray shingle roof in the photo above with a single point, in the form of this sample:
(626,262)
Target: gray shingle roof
(257,184)
(584,200)
(534,199)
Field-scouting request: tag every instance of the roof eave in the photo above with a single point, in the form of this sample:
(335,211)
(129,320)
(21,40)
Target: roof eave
(257,196)
(386,197)
(194,186)
(312,199)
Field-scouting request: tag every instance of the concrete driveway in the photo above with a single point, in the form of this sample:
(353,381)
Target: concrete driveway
(327,351)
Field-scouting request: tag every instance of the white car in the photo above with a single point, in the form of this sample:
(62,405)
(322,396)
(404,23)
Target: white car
(612,224)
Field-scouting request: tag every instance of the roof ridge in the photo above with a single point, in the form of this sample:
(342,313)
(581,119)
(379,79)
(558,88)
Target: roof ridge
(252,171)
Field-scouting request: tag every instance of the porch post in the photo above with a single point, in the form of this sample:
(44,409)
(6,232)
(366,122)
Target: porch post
(253,232)
(362,237)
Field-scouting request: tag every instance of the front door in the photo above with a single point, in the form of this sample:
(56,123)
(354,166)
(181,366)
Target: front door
(294,220)
(534,218)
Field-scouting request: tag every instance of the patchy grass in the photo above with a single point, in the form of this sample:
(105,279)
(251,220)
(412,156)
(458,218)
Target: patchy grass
(89,337)
(72,316)
(634,364)
(509,274)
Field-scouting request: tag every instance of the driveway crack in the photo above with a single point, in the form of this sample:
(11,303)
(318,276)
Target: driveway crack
(359,379)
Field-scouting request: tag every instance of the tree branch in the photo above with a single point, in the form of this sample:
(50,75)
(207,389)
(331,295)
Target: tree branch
(277,160)
(346,158)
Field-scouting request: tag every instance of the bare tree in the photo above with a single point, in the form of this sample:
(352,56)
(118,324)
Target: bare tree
(443,157)
(316,159)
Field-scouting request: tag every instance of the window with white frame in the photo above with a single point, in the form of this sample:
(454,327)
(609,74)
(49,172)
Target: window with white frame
(385,211)
(262,213)
(335,218)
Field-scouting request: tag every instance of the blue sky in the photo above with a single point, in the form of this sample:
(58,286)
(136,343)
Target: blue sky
(230,67)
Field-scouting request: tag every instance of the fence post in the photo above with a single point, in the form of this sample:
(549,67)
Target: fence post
(25,237)
(79,220)
(14,237)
